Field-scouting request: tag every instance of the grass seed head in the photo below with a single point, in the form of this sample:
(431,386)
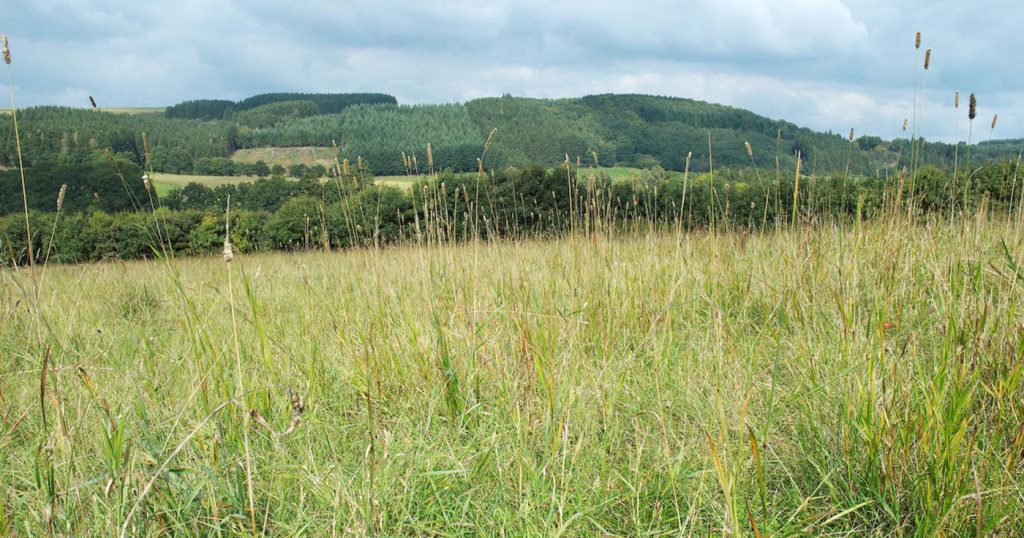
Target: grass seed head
(7,49)
(345,168)
(145,181)
(994,120)
(851,134)
(905,122)
(490,138)
(60,196)
(956,100)
(917,40)
(430,157)
(92,102)
(972,107)
(750,151)
(927,58)
(229,251)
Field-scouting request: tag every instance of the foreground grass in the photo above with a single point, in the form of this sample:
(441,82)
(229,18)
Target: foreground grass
(860,380)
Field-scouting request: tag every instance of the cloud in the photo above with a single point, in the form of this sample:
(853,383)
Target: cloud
(825,64)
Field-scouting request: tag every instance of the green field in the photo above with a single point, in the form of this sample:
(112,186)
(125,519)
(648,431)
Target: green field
(286,157)
(859,379)
(165,183)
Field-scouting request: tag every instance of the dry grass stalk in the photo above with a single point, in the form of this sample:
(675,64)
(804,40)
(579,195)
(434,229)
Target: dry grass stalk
(298,407)
(229,252)
(490,138)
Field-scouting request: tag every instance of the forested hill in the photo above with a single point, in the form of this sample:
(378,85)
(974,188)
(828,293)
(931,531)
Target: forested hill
(630,130)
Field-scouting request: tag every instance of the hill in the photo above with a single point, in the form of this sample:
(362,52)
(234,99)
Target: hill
(196,137)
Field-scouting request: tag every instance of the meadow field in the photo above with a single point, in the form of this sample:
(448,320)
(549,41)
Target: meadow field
(164,183)
(853,379)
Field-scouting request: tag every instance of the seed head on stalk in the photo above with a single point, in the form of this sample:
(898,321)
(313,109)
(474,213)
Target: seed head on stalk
(7,49)
(60,196)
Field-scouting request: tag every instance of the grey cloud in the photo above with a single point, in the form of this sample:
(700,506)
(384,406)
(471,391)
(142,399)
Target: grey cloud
(826,64)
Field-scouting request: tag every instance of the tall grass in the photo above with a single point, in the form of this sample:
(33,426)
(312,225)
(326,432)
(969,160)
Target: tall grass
(819,379)
(623,378)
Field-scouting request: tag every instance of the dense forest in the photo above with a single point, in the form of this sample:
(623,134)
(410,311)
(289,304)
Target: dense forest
(325,103)
(199,137)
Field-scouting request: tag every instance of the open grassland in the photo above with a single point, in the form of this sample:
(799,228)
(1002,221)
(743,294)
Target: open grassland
(165,183)
(286,157)
(845,380)
(615,173)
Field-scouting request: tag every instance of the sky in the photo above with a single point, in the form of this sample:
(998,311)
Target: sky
(830,65)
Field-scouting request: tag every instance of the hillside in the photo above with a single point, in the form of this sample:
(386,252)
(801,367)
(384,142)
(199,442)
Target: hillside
(198,137)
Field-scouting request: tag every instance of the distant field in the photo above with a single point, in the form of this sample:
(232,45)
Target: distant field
(121,110)
(165,183)
(287,156)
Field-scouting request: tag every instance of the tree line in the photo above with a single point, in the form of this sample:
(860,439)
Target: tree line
(325,103)
(349,211)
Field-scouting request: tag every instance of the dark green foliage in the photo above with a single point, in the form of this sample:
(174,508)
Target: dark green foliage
(200,109)
(380,134)
(539,130)
(327,103)
(59,133)
(274,114)
(95,184)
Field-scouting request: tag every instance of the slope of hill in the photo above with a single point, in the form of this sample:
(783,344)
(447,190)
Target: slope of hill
(628,130)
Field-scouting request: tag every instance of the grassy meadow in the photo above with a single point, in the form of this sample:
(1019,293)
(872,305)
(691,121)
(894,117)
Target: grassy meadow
(164,183)
(859,379)
(286,156)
